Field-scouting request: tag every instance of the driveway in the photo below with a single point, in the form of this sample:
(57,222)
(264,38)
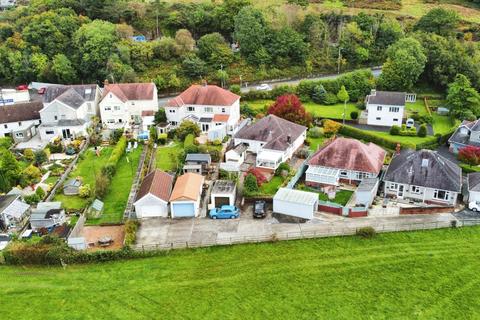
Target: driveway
(164,231)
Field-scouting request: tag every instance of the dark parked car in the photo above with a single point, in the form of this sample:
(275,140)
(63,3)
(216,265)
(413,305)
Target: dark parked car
(259,210)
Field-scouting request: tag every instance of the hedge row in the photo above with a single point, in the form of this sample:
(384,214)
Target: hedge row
(111,165)
(371,137)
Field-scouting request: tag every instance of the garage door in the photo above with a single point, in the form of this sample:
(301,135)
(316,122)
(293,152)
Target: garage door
(183,210)
(151,211)
(220,201)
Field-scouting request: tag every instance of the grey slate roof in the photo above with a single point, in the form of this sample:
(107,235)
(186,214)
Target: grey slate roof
(73,183)
(73,96)
(6,200)
(462,138)
(437,172)
(198,157)
(474,181)
(387,98)
(272,130)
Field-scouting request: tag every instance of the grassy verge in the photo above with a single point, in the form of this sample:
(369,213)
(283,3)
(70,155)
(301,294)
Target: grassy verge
(117,196)
(411,275)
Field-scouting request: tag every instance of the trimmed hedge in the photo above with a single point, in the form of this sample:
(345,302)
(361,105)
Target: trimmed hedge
(370,137)
(111,165)
(466,168)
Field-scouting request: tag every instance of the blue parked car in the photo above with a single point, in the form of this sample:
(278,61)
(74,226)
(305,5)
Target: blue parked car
(225,212)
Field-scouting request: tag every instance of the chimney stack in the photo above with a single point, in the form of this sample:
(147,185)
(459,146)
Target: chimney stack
(105,82)
(289,139)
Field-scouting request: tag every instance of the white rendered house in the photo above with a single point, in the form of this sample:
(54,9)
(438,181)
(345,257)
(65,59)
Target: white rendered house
(123,104)
(68,110)
(20,120)
(207,105)
(385,108)
(274,140)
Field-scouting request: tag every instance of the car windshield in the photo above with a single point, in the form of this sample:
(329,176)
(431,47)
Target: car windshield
(259,207)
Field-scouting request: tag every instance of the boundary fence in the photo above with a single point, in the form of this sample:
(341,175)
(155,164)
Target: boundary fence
(330,232)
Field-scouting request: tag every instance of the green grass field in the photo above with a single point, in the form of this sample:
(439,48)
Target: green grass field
(166,158)
(332,111)
(117,196)
(416,275)
(87,168)
(272,186)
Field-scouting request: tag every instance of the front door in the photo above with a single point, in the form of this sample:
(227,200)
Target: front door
(400,191)
(205,127)
(66,133)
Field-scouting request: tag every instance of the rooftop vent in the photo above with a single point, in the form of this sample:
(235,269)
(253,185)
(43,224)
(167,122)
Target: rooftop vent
(424,163)
(88,90)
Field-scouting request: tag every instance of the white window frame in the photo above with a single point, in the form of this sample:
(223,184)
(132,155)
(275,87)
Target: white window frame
(394,109)
(108,108)
(171,110)
(415,189)
(208,110)
(436,195)
(191,109)
(116,108)
(393,186)
(379,108)
(19,134)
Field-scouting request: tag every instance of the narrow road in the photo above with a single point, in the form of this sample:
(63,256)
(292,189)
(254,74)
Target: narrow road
(246,87)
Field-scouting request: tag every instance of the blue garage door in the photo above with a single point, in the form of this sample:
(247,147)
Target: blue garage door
(183,210)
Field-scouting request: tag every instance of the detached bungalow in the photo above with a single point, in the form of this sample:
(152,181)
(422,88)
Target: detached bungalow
(344,160)
(186,196)
(12,211)
(153,195)
(273,139)
(423,176)
(467,134)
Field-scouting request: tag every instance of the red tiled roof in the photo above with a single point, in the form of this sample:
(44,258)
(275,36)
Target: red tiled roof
(220,117)
(130,91)
(208,95)
(350,154)
(187,187)
(158,183)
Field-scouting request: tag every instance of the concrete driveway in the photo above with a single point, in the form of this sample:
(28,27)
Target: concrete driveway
(164,231)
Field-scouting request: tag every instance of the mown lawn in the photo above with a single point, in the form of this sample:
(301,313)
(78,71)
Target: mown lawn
(416,275)
(119,189)
(401,139)
(87,168)
(317,110)
(271,187)
(341,197)
(314,143)
(166,158)
(443,124)
(418,107)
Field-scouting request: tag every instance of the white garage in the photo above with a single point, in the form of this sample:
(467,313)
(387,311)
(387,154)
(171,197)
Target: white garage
(186,196)
(223,193)
(295,203)
(152,197)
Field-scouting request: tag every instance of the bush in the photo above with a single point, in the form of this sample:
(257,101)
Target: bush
(260,178)
(370,137)
(395,130)
(131,227)
(32,174)
(186,128)
(40,193)
(366,232)
(32,199)
(55,146)
(110,167)
(315,132)
(85,191)
(40,157)
(162,138)
(28,154)
(330,98)
(331,127)
(235,88)
(189,144)
(250,184)
(282,168)
(354,115)
(116,135)
(422,130)
(101,185)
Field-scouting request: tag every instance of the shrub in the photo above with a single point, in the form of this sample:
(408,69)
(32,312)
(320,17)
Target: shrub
(101,185)
(215,155)
(331,127)
(250,184)
(330,98)
(55,146)
(85,191)
(395,130)
(109,168)
(282,168)
(366,232)
(116,135)
(131,227)
(235,88)
(40,193)
(32,199)
(422,130)
(32,174)
(371,137)
(217,142)
(186,128)
(40,157)
(315,132)
(354,115)
(162,138)
(29,155)
(258,175)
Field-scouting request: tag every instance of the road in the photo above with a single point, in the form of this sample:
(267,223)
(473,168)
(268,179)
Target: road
(376,72)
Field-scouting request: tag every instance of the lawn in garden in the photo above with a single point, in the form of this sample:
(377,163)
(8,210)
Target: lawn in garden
(402,139)
(443,124)
(315,143)
(272,186)
(409,275)
(341,197)
(166,157)
(119,189)
(417,107)
(88,166)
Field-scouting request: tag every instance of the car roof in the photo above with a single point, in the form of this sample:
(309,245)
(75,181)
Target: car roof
(226,206)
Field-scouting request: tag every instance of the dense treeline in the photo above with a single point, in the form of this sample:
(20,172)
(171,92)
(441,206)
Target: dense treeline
(70,41)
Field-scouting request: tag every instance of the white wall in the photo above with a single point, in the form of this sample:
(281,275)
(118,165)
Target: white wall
(58,110)
(384,117)
(151,206)
(231,198)
(11,96)
(423,194)
(304,211)
(16,126)
(473,196)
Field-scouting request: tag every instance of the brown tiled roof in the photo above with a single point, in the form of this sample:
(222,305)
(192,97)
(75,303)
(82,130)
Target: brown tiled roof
(20,112)
(130,91)
(158,183)
(272,130)
(208,95)
(221,117)
(187,187)
(350,154)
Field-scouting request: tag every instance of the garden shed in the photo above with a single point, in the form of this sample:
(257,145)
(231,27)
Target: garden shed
(72,187)
(223,193)
(366,192)
(96,209)
(295,203)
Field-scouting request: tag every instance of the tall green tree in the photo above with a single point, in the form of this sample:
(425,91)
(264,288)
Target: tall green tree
(62,69)
(441,21)
(10,171)
(405,63)
(343,96)
(462,99)
(250,31)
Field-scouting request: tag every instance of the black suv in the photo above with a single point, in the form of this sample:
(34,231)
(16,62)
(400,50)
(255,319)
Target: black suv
(259,210)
